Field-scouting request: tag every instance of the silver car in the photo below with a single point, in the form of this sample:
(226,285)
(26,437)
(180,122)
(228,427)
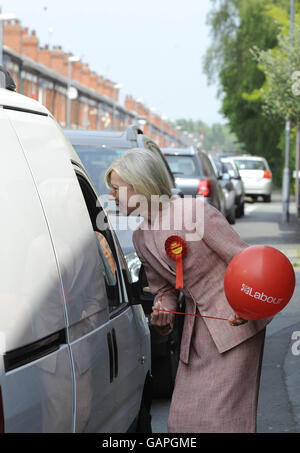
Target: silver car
(256,175)
(238,184)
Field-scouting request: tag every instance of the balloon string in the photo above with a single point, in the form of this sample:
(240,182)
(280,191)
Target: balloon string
(186,314)
(190,314)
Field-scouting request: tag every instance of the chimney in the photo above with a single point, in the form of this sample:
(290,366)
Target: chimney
(100,84)
(129,103)
(44,56)
(108,88)
(85,77)
(29,44)
(76,72)
(12,35)
(57,59)
(93,80)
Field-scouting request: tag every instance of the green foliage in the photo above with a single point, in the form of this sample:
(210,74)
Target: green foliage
(237,26)
(281,65)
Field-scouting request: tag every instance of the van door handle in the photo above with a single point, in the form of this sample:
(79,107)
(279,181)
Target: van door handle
(34,351)
(111,360)
(115,352)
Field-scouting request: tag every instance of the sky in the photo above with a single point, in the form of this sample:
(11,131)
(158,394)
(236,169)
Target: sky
(154,48)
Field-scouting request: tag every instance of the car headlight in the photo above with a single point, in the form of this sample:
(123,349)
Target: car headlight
(134,265)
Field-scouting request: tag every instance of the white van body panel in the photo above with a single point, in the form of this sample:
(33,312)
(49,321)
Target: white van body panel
(73,390)
(20,102)
(31,301)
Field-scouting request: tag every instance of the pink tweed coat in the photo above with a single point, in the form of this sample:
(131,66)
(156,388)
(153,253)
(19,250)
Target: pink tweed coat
(217,382)
(203,272)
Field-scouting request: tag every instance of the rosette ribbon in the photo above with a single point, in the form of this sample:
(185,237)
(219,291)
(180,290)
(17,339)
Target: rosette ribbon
(176,249)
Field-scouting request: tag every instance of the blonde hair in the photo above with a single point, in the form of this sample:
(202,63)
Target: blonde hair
(144,171)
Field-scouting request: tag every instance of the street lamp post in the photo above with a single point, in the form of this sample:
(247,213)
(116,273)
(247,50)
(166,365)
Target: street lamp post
(3,17)
(117,86)
(152,112)
(286,171)
(71,60)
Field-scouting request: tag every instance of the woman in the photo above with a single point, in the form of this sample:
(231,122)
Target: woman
(216,387)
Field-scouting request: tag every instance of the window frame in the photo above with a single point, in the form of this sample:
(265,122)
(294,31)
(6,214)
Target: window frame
(108,234)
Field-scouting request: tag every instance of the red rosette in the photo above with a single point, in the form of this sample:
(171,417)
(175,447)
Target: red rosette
(176,249)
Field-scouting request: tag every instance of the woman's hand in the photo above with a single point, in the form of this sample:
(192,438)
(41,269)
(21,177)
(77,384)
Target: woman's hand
(162,321)
(235,320)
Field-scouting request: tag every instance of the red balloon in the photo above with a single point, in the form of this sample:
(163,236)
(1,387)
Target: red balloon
(259,282)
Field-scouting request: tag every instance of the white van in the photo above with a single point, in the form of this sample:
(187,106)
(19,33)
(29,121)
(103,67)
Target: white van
(74,352)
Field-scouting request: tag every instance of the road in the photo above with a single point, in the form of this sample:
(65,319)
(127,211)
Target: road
(279,397)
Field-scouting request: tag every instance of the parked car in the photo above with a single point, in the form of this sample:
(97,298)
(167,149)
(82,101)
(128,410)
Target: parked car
(238,184)
(256,175)
(74,350)
(228,188)
(226,165)
(195,175)
(97,150)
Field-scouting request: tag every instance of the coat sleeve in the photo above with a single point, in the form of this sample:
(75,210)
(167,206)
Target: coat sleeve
(220,236)
(158,286)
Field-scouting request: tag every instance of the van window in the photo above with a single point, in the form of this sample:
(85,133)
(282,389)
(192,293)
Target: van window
(105,245)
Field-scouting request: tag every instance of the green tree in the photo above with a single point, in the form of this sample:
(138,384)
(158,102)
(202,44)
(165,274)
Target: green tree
(281,91)
(238,26)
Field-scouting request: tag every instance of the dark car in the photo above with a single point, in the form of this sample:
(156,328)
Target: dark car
(195,175)
(97,150)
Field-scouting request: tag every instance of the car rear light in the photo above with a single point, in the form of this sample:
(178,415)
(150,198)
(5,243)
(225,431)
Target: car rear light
(204,188)
(267,174)
(1,413)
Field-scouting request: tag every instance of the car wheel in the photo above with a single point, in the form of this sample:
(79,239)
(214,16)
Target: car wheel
(267,198)
(231,216)
(240,211)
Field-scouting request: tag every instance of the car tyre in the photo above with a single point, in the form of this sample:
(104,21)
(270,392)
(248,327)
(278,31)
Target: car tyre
(267,198)
(240,211)
(231,216)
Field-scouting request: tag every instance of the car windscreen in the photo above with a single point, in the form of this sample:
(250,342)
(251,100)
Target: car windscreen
(96,161)
(182,166)
(231,169)
(250,164)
